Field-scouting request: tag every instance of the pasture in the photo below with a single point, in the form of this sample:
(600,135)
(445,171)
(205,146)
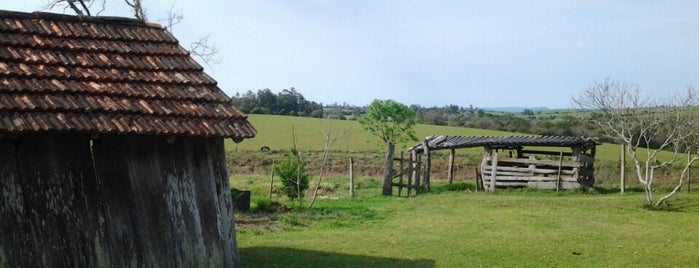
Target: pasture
(516,228)
(275,131)
(450,227)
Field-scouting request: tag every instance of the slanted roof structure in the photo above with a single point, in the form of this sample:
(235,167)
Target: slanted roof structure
(456,142)
(63,73)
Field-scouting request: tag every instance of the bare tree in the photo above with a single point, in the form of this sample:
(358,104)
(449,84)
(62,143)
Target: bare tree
(173,18)
(647,126)
(205,50)
(138,10)
(330,139)
(80,7)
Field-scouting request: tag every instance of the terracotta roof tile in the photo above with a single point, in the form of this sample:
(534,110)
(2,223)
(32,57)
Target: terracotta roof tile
(106,75)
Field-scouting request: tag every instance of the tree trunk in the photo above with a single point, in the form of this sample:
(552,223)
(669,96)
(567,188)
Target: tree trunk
(388,173)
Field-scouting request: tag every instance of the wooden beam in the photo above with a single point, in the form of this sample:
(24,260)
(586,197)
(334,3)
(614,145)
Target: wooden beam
(526,170)
(545,152)
(528,178)
(540,162)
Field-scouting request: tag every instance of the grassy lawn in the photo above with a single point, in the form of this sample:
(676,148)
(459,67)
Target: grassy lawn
(460,229)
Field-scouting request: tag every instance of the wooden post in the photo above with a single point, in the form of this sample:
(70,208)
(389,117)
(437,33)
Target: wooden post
(388,172)
(351,177)
(689,171)
(418,163)
(560,166)
(622,172)
(400,180)
(450,175)
(493,171)
(271,180)
(428,163)
(413,177)
(478,178)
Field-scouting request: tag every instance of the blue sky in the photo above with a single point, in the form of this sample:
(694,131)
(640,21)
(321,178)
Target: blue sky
(435,53)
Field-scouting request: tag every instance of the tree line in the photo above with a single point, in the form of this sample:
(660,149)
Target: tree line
(291,102)
(287,102)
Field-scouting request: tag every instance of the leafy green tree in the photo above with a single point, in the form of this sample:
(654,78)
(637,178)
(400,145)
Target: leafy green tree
(393,123)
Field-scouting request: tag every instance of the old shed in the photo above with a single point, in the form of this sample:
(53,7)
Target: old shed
(543,162)
(111,147)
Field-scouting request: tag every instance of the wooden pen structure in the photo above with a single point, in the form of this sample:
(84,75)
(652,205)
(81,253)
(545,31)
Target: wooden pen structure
(542,162)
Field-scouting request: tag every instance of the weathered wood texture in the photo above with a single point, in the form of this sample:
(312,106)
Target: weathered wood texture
(142,202)
(535,173)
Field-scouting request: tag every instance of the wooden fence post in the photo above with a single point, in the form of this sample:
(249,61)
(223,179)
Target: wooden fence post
(622,173)
(689,172)
(560,166)
(351,177)
(450,176)
(400,180)
(271,181)
(428,162)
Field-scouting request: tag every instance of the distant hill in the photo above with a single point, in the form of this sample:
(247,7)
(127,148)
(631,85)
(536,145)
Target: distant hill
(515,109)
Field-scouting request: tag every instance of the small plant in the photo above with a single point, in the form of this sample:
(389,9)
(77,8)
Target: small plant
(292,172)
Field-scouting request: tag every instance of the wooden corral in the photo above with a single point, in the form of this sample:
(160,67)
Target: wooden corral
(522,161)
(111,147)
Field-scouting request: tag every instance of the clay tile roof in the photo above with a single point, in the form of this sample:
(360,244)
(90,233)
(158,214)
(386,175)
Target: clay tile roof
(66,73)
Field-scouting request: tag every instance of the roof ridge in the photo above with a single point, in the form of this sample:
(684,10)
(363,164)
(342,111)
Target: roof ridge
(77,18)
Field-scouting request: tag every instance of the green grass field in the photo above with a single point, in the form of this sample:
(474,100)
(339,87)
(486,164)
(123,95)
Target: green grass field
(469,229)
(518,228)
(275,132)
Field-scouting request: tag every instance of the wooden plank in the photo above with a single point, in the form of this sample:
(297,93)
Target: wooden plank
(59,217)
(552,185)
(540,162)
(525,178)
(526,170)
(509,184)
(15,237)
(546,152)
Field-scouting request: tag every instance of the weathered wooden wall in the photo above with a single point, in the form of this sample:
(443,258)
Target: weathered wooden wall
(574,172)
(142,202)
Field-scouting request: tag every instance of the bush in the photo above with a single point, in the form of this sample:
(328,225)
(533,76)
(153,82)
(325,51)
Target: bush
(266,205)
(453,187)
(292,172)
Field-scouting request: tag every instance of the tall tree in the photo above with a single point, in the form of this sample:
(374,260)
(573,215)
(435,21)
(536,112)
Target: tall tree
(393,123)
(646,126)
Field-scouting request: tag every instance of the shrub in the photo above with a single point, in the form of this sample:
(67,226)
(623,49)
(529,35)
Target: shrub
(292,172)
(266,205)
